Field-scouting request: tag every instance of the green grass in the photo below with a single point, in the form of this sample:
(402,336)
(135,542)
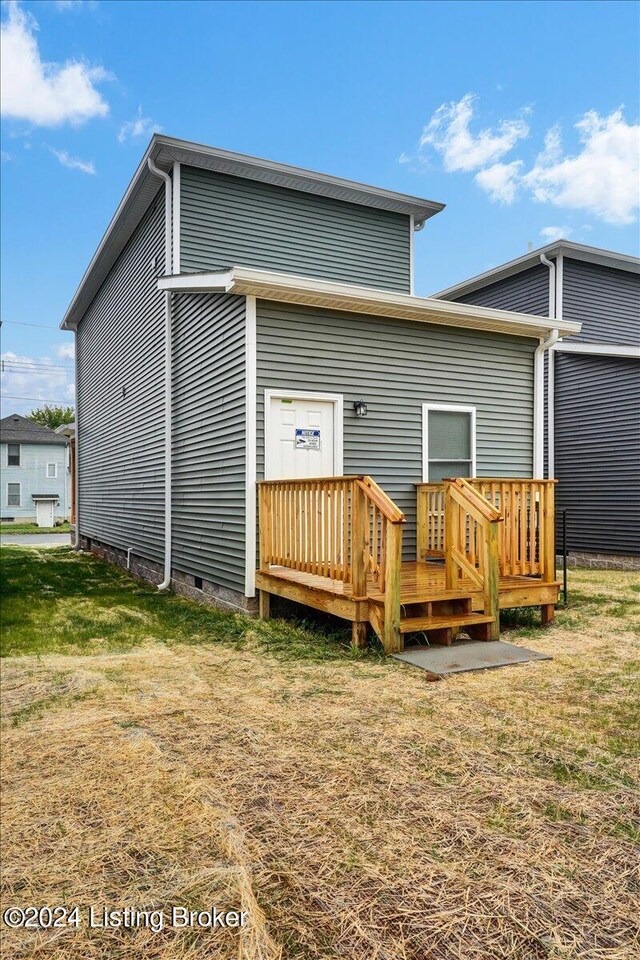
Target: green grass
(32,528)
(59,601)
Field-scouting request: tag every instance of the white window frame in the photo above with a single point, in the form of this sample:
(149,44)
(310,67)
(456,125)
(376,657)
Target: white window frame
(14,483)
(55,471)
(337,399)
(446,408)
(19,463)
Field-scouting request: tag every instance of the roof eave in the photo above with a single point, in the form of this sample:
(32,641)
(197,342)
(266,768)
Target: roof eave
(309,291)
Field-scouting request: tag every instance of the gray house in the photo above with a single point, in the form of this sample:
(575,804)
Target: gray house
(593,386)
(245,320)
(35,472)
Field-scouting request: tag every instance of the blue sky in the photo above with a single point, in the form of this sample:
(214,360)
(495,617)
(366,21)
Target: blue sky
(521,117)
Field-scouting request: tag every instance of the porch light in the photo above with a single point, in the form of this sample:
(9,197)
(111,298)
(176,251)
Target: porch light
(360,408)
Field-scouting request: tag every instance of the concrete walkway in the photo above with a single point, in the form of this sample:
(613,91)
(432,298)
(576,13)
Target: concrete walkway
(35,540)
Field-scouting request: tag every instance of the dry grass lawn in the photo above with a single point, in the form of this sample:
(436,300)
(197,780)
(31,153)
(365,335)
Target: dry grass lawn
(354,809)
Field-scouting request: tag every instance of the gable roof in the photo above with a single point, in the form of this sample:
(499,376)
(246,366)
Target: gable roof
(18,429)
(576,251)
(330,294)
(165,151)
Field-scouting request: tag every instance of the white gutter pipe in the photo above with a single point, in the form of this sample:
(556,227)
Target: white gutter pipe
(538,375)
(168,207)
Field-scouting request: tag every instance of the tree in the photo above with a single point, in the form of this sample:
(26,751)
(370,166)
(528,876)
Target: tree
(52,417)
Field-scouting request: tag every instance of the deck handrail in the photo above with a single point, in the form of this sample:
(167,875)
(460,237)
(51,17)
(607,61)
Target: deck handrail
(471,545)
(526,543)
(345,529)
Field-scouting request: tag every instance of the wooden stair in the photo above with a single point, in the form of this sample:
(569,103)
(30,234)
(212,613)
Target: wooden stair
(442,616)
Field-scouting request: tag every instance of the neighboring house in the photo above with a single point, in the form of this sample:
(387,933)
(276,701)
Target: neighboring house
(35,472)
(593,433)
(244,319)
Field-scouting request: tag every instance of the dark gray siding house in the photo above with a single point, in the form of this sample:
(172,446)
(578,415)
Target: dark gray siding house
(236,306)
(593,390)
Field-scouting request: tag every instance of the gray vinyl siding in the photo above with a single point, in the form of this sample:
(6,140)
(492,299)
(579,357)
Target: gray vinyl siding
(396,366)
(598,451)
(525,292)
(209,437)
(228,221)
(120,394)
(604,300)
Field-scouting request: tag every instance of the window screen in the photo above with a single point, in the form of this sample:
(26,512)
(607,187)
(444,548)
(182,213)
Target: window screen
(13,494)
(450,444)
(13,454)
(52,471)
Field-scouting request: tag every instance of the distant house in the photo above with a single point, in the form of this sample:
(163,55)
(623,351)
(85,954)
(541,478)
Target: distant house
(35,472)
(253,367)
(593,390)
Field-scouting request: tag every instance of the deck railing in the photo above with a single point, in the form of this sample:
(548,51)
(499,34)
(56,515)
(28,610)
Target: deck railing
(526,544)
(343,528)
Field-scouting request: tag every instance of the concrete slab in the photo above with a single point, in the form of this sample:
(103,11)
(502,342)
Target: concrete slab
(467,655)
(35,540)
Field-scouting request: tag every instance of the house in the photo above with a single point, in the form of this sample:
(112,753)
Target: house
(264,404)
(593,387)
(35,470)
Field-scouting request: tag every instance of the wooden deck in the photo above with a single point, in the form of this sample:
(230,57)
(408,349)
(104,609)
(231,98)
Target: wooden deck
(335,544)
(420,582)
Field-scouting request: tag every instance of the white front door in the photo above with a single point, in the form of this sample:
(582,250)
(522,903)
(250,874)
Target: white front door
(300,437)
(44,513)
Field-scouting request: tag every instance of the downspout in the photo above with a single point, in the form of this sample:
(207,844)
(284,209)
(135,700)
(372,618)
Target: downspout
(551,377)
(166,583)
(538,375)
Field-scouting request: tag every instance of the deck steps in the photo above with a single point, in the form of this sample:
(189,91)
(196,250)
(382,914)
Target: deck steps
(438,622)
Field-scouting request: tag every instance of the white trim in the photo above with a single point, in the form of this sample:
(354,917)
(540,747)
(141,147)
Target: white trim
(337,399)
(447,408)
(412,271)
(599,349)
(55,471)
(251,400)
(330,294)
(76,452)
(14,483)
(559,286)
(175,257)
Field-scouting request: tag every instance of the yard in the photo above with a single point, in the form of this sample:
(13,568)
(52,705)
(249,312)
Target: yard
(20,528)
(160,753)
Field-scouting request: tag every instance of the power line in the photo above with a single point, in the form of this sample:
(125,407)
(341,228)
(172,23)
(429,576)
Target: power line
(43,326)
(63,403)
(33,365)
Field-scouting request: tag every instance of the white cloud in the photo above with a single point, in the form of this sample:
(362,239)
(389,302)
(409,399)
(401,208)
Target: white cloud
(74,163)
(66,351)
(555,233)
(138,127)
(500,181)
(39,378)
(603,177)
(5,155)
(45,94)
(448,132)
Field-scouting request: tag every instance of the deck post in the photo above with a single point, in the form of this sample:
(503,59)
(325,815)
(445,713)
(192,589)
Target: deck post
(264,525)
(449,510)
(392,640)
(492,579)
(358,568)
(547,534)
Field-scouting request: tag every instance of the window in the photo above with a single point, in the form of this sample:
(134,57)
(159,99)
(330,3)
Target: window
(52,471)
(13,494)
(13,454)
(449,441)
